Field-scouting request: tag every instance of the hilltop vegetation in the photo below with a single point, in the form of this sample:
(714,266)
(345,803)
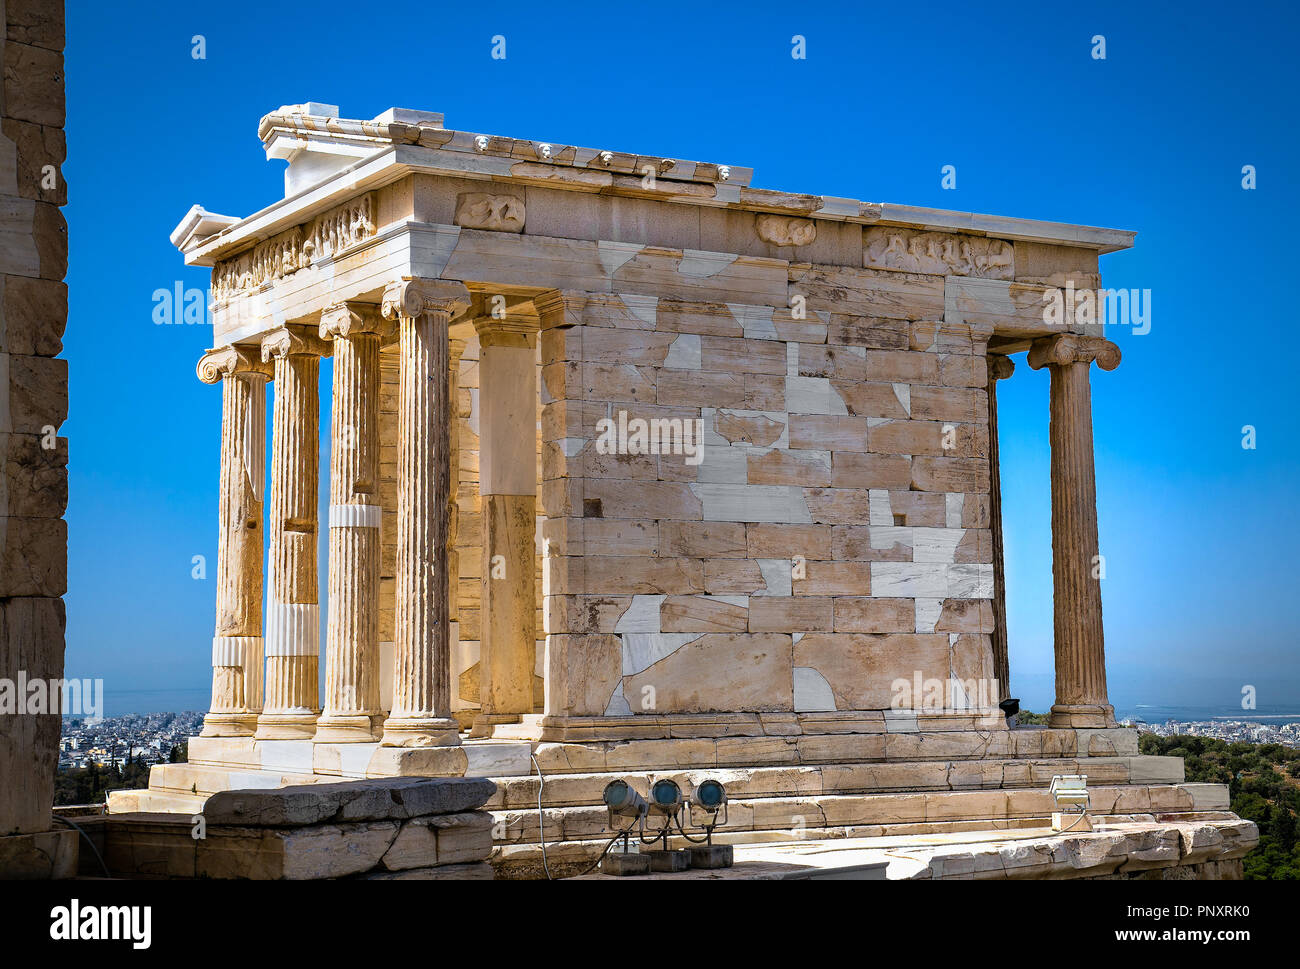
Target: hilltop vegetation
(1264,782)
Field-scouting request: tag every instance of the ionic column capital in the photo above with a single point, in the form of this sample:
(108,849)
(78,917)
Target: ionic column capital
(411,297)
(349,320)
(1066,348)
(293,341)
(1000,366)
(224,361)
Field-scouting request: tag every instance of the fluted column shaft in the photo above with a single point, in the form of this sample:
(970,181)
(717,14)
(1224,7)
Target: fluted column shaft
(508,489)
(293,603)
(421,713)
(1081,697)
(999,368)
(352,709)
(237,643)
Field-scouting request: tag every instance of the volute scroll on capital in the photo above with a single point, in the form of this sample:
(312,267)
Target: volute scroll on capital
(350,319)
(290,341)
(412,297)
(1067,348)
(1000,366)
(224,361)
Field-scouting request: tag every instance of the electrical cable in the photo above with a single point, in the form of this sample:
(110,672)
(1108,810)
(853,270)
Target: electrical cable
(541,820)
(82,831)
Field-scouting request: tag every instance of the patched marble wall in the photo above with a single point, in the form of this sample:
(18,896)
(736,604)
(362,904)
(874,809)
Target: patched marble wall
(830,536)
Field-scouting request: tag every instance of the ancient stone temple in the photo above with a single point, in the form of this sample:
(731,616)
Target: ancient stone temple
(638,471)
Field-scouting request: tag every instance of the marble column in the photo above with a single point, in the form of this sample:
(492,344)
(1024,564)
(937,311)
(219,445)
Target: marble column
(455,351)
(352,709)
(421,714)
(508,492)
(1081,698)
(293,601)
(1000,368)
(237,644)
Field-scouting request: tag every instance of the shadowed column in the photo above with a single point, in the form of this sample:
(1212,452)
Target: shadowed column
(293,602)
(421,714)
(508,487)
(1000,368)
(237,645)
(352,710)
(1081,698)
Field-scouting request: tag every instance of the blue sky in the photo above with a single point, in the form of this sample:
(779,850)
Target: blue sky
(1199,534)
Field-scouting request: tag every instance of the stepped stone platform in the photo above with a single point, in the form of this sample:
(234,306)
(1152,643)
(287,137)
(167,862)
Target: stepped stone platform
(934,793)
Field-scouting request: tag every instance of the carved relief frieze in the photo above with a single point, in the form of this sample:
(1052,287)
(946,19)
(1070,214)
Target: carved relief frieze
(499,213)
(284,254)
(786,230)
(937,253)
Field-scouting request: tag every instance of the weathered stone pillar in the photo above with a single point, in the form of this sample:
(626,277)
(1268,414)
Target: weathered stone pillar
(508,490)
(421,714)
(237,644)
(293,602)
(1081,698)
(455,350)
(352,711)
(1000,368)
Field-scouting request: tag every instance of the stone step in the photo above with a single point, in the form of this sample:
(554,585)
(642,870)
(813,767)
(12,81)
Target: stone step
(203,779)
(1034,743)
(147,800)
(796,812)
(561,790)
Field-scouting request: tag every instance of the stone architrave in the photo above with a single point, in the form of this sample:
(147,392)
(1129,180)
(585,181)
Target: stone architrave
(1081,697)
(293,602)
(352,698)
(421,713)
(237,643)
(508,486)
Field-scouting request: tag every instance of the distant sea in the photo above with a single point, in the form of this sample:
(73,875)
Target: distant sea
(1153,713)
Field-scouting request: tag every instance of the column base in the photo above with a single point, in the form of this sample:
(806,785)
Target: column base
(348,729)
(1068,715)
(420,732)
(286,726)
(485,722)
(229,725)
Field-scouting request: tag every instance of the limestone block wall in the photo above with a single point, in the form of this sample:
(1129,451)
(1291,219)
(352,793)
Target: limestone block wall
(33,399)
(833,538)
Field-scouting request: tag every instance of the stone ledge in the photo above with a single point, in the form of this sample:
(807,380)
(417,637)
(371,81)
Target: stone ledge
(39,855)
(360,800)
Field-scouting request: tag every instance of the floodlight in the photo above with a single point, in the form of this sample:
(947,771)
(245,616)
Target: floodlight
(1070,791)
(623,801)
(710,796)
(665,797)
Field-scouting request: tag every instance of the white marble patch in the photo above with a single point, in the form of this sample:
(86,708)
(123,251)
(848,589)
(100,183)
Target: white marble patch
(878,509)
(699,264)
(927,614)
(572,446)
(642,616)
(644,308)
(777,577)
(643,650)
(935,544)
(684,353)
(909,580)
(618,705)
(953,507)
(901,721)
(613,255)
(811,691)
(726,465)
(904,394)
(970,581)
(812,395)
(887,536)
(752,503)
(756,321)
